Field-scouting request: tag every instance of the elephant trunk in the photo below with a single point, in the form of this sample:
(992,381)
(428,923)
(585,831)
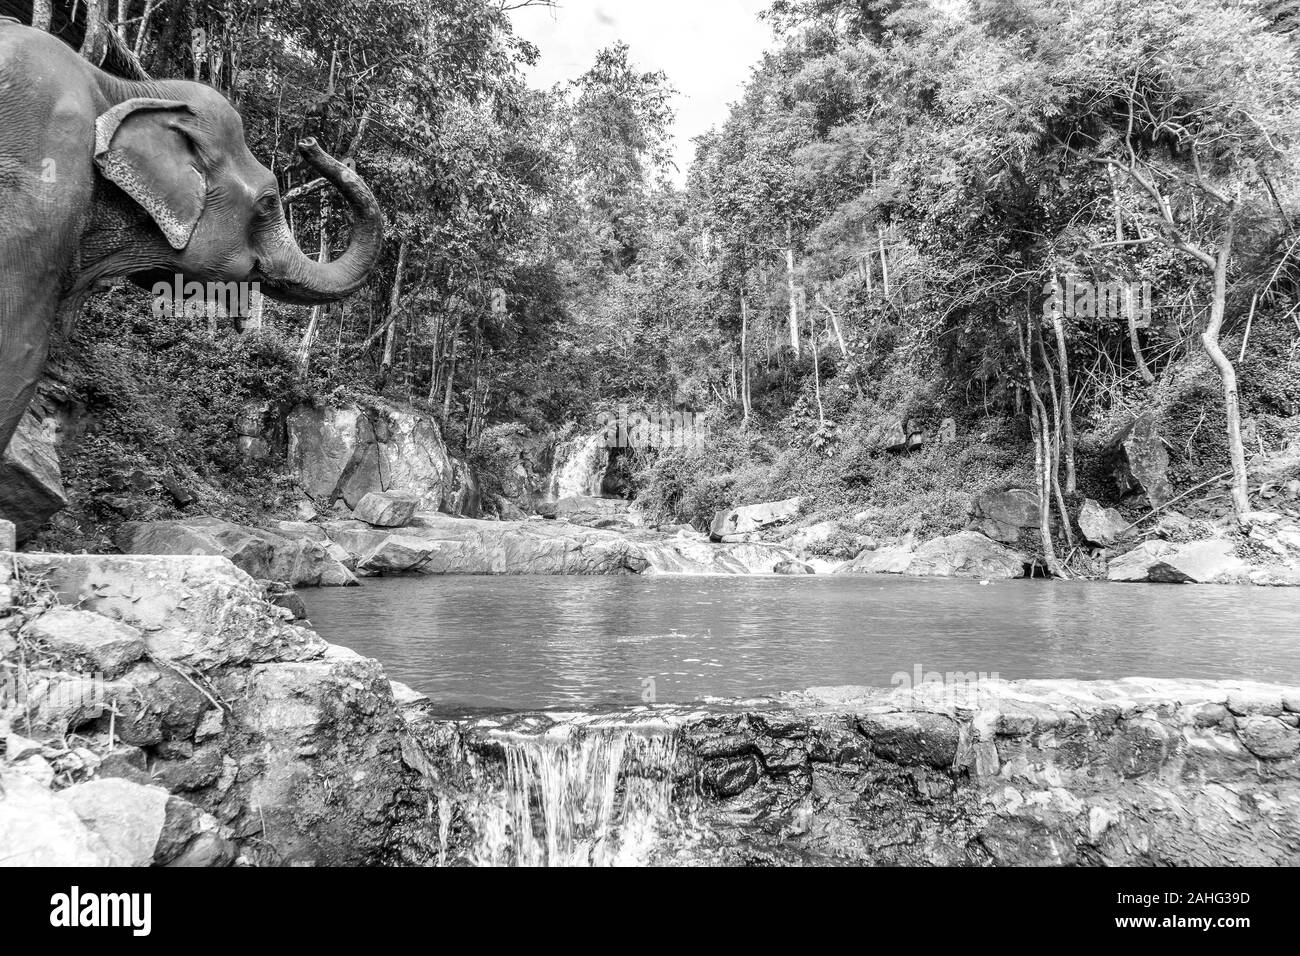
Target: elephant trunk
(290,276)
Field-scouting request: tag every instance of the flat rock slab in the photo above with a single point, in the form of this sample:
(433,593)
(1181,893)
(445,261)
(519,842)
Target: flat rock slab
(295,557)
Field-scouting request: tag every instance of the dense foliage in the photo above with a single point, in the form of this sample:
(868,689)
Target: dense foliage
(868,240)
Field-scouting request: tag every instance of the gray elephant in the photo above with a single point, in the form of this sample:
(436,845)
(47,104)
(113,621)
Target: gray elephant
(103,178)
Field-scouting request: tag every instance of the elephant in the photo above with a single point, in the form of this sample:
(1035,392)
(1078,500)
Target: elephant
(103,178)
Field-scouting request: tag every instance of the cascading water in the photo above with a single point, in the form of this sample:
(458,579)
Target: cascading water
(578,796)
(579,468)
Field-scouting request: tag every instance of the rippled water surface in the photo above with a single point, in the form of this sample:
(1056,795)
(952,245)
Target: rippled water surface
(511,643)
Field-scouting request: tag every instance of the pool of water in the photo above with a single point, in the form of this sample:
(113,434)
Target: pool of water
(478,644)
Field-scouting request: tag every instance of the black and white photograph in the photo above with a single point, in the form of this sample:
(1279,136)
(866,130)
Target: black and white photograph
(699,434)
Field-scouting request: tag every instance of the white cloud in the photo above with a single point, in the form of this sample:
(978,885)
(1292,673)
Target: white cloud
(707,48)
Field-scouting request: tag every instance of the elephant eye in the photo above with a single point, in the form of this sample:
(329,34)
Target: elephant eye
(266,203)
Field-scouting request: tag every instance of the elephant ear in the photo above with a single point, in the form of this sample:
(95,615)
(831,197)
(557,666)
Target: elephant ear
(142,147)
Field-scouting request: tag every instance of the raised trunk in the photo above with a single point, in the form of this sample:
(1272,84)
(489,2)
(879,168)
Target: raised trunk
(290,276)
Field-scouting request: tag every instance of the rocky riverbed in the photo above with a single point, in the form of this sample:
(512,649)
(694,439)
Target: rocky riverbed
(160,710)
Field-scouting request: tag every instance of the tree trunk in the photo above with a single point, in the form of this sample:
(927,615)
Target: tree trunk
(1054,391)
(90,44)
(817,370)
(1231,402)
(744,361)
(1130,311)
(835,325)
(794,299)
(317,312)
(451,369)
(42,14)
(394,307)
(143,29)
(1042,452)
(1067,400)
(884,262)
(436,353)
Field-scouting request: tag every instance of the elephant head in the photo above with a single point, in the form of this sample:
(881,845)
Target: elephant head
(181,156)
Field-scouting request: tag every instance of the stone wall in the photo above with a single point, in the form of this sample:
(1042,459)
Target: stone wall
(1134,772)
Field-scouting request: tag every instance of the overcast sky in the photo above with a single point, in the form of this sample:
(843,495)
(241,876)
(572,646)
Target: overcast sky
(707,48)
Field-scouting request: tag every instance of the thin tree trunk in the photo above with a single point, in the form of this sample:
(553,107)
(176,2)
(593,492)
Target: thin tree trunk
(1056,442)
(1042,454)
(394,307)
(317,312)
(1231,401)
(436,353)
(94,28)
(1067,399)
(451,370)
(42,14)
(817,369)
(884,262)
(1130,311)
(143,29)
(794,300)
(835,325)
(744,361)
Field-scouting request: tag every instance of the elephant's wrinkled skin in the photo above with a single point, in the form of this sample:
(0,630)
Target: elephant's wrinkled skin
(103,178)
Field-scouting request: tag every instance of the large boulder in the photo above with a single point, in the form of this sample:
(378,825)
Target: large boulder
(346,452)
(1145,462)
(195,610)
(891,559)
(967,554)
(1193,562)
(300,560)
(734,524)
(31,486)
(1102,526)
(1003,515)
(38,829)
(381,509)
(105,822)
(319,773)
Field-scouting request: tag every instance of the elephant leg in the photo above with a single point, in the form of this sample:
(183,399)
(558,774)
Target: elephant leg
(26,321)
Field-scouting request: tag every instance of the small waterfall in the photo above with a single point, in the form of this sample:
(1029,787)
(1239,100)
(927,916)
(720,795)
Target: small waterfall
(578,796)
(579,467)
